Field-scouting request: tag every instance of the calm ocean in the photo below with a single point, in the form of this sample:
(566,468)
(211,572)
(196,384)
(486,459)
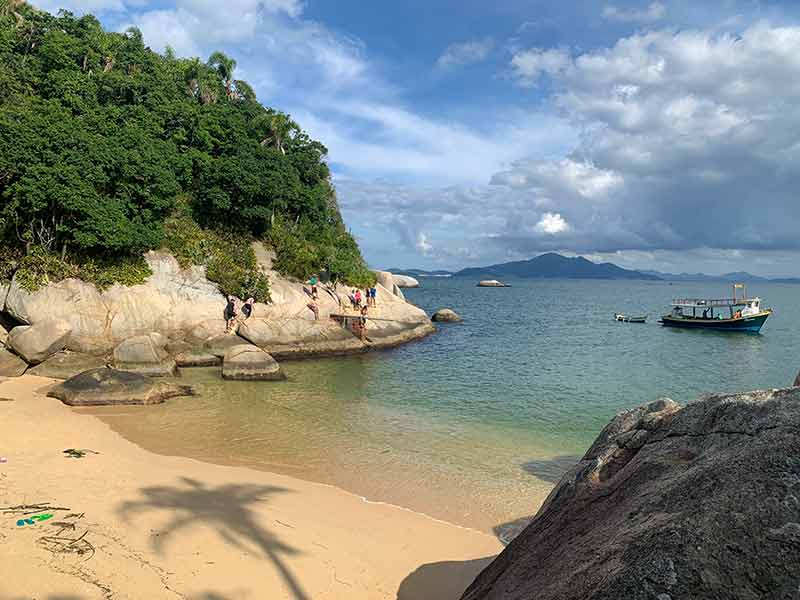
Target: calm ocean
(475,423)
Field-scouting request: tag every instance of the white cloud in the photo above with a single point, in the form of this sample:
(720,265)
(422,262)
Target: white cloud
(465,53)
(423,245)
(654,12)
(528,66)
(552,223)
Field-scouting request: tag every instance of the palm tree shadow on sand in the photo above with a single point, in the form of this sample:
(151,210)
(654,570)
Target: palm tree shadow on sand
(227,508)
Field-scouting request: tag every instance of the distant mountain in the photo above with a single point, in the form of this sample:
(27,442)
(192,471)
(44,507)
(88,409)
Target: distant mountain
(421,273)
(552,265)
(734,277)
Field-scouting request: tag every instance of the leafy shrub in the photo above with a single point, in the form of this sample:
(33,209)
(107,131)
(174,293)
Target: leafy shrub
(228,256)
(304,248)
(40,267)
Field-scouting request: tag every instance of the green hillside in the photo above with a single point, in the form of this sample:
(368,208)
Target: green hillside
(108,149)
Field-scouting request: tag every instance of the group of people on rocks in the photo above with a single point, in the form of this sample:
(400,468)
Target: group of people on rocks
(233,311)
(361,301)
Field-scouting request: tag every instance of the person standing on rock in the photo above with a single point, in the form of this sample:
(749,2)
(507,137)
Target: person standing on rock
(373,295)
(230,314)
(247,308)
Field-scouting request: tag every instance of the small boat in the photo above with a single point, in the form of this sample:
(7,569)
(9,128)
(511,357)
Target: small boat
(722,314)
(492,283)
(626,319)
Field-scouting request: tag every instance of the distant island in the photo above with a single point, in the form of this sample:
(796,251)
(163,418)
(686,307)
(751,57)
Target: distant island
(552,266)
(734,277)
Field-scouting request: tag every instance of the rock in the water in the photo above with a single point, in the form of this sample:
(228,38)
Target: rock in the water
(696,502)
(797,380)
(491,283)
(446,315)
(197,358)
(405,281)
(220,344)
(64,365)
(11,365)
(36,342)
(110,386)
(141,354)
(250,363)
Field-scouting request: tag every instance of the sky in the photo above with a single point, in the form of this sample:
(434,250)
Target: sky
(658,135)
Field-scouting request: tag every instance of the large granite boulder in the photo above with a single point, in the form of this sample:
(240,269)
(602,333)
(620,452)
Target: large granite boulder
(3,336)
(142,354)
(64,365)
(220,344)
(670,502)
(37,342)
(110,386)
(446,315)
(246,362)
(11,365)
(405,281)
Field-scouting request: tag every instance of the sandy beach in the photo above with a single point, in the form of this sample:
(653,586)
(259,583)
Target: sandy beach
(127,523)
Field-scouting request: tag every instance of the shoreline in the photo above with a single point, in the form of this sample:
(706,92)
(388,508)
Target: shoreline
(167,526)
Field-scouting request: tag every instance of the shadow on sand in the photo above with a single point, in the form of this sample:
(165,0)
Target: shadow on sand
(226,508)
(442,580)
(547,469)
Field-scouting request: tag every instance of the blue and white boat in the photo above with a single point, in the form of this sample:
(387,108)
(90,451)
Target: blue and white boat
(721,314)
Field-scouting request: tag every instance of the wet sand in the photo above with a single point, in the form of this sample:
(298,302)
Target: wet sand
(168,527)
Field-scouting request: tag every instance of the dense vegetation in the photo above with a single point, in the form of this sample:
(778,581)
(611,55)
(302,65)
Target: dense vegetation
(108,149)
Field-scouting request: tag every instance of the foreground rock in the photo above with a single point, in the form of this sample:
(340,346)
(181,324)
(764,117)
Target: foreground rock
(246,362)
(492,283)
(142,354)
(696,502)
(64,365)
(11,365)
(446,315)
(35,343)
(110,386)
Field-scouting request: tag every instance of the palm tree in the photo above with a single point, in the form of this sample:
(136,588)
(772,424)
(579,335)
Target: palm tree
(9,7)
(200,82)
(279,127)
(244,92)
(224,66)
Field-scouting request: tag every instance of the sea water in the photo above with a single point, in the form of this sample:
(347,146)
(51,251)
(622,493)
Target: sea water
(475,423)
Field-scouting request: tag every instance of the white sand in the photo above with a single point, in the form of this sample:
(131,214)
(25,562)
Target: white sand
(169,527)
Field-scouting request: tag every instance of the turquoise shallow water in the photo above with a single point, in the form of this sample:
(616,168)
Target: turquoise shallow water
(475,423)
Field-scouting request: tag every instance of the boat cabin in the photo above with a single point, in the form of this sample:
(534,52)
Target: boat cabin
(722,308)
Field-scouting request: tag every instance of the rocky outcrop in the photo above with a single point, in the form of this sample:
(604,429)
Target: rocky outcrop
(670,502)
(64,365)
(491,283)
(405,281)
(110,386)
(143,354)
(3,336)
(446,315)
(35,343)
(11,365)
(184,306)
(247,362)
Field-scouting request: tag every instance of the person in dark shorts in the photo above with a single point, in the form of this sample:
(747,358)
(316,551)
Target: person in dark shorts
(230,314)
(247,308)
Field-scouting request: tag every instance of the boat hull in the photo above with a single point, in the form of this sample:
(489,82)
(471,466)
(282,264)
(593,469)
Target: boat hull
(750,324)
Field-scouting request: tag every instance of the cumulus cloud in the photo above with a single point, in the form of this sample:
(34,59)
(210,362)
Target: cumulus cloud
(654,12)
(528,66)
(465,53)
(687,142)
(552,223)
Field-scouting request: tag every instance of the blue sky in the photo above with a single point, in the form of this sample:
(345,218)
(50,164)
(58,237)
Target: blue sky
(653,134)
